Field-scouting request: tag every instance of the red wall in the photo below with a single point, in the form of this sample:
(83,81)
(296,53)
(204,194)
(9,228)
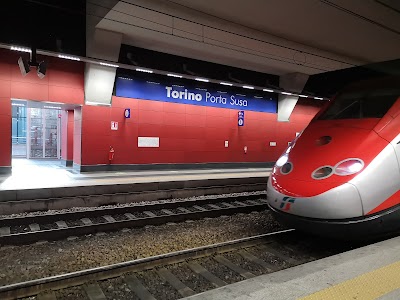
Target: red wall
(63,83)
(5,129)
(188,133)
(67,135)
(77,150)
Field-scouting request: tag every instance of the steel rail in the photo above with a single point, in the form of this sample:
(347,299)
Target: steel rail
(61,233)
(34,287)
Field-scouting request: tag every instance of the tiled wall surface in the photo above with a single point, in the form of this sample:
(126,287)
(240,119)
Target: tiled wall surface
(63,83)
(187,133)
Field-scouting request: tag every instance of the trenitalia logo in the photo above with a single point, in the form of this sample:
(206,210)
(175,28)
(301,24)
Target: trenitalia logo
(286,203)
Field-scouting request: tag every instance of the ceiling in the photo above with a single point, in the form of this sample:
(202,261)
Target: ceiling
(366,30)
(270,36)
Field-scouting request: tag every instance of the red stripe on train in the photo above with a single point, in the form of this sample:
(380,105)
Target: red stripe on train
(388,203)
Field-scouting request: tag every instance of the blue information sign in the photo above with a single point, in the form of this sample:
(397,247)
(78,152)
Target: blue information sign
(241,118)
(140,89)
(127,113)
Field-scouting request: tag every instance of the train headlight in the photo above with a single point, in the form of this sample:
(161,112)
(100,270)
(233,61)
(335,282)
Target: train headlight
(322,172)
(349,166)
(286,168)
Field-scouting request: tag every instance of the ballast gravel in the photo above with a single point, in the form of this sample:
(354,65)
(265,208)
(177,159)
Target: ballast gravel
(132,204)
(28,262)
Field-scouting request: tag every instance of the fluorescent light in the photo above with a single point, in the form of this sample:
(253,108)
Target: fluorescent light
(303,96)
(174,75)
(202,79)
(17,104)
(97,103)
(286,93)
(55,107)
(248,87)
(21,49)
(268,90)
(109,65)
(69,57)
(144,70)
(318,98)
(226,83)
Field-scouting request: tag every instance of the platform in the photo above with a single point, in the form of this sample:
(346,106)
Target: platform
(31,181)
(370,272)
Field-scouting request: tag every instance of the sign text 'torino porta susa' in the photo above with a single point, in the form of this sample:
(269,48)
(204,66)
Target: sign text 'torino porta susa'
(147,90)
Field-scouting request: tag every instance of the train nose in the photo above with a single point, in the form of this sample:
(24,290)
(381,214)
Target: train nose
(340,202)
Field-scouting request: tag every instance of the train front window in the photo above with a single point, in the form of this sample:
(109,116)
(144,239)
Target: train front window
(361,105)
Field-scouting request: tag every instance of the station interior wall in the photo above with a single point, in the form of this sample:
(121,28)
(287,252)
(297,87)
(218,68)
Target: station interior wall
(63,83)
(188,133)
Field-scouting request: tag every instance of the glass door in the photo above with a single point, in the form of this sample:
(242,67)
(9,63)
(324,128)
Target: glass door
(36,133)
(51,121)
(18,130)
(44,133)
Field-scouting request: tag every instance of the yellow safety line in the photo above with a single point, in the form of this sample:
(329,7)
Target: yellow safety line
(367,286)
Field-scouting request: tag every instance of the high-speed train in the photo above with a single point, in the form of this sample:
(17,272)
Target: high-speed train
(341,177)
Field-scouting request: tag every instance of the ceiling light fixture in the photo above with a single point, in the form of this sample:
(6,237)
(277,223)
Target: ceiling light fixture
(21,49)
(202,79)
(174,75)
(144,70)
(69,57)
(268,90)
(226,83)
(109,65)
(248,87)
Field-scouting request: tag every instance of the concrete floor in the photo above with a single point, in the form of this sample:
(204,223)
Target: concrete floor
(48,173)
(350,275)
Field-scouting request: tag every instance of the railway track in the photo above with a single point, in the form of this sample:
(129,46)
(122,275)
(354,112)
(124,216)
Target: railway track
(182,273)
(29,229)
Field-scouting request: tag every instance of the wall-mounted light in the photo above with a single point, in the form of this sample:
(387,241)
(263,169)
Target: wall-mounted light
(25,65)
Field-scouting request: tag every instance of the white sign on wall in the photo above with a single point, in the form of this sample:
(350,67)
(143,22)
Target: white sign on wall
(152,142)
(114,125)
(272,144)
(226,144)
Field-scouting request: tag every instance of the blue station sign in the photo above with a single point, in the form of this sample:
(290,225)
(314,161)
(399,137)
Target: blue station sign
(140,89)
(241,118)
